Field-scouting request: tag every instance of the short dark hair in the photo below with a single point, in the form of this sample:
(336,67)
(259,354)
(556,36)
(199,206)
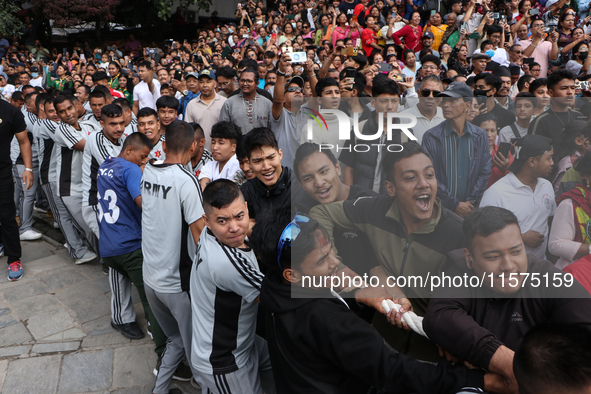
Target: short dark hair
(559,75)
(258,138)
(99,76)
(360,59)
(40,99)
(167,102)
(59,99)
(226,72)
(385,86)
(523,80)
(489,79)
(102,89)
(526,96)
(97,94)
(409,149)
(484,43)
(554,357)
(247,63)
(241,148)
(145,112)
(226,129)
(137,141)
(536,83)
(179,136)
(306,150)
(111,111)
(220,193)
(323,83)
(480,119)
(431,58)
(123,103)
(29,96)
(486,221)
(17,96)
(85,87)
(492,29)
(251,70)
(146,64)
(199,134)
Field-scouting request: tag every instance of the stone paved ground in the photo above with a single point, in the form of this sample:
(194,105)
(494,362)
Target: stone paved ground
(55,333)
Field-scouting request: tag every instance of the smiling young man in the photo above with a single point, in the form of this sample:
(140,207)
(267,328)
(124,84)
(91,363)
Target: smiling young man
(271,187)
(561,86)
(167,108)
(148,124)
(225,284)
(484,325)
(97,100)
(224,138)
(410,230)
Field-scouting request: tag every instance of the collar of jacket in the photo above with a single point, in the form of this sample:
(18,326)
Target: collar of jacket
(278,188)
(439,131)
(394,213)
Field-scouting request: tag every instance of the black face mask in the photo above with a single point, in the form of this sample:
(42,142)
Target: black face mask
(481,92)
(583,55)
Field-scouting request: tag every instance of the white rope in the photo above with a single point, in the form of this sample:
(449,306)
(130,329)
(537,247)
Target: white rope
(409,317)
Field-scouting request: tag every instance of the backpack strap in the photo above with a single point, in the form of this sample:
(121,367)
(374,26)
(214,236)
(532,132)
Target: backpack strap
(515,131)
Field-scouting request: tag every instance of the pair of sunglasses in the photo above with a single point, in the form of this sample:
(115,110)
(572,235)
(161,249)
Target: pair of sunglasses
(427,92)
(293,89)
(289,234)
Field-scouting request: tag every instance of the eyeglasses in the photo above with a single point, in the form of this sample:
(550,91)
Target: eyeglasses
(289,234)
(430,67)
(293,89)
(519,52)
(427,92)
(306,27)
(224,83)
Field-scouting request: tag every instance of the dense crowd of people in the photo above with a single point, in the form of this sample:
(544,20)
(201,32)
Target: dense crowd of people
(213,175)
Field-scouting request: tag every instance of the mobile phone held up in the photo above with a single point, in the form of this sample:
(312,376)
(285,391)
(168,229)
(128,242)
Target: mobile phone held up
(504,148)
(178,75)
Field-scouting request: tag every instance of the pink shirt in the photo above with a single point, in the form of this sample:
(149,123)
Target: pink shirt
(541,55)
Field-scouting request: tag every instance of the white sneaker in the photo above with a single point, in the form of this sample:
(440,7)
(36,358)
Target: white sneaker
(30,235)
(89,256)
(55,224)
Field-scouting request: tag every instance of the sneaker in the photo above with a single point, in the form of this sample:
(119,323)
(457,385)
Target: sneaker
(56,224)
(195,384)
(129,330)
(89,256)
(183,373)
(1,250)
(149,330)
(15,271)
(39,209)
(105,270)
(30,235)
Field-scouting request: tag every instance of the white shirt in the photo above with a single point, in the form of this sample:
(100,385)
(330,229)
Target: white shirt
(423,123)
(532,207)
(145,98)
(506,133)
(36,82)
(212,171)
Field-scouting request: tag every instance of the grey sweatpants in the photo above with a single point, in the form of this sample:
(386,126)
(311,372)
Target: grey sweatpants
(71,232)
(74,207)
(122,311)
(255,377)
(24,199)
(173,312)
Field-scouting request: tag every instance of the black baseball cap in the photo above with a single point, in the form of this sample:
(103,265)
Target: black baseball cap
(457,90)
(529,146)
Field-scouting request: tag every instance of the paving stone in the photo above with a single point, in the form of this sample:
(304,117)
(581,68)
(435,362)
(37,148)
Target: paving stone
(86,371)
(133,366)
(114,338)
(50,323)
(13,351)
(87,302)
(100,326)
(18,291)
(3,370)
(6,317)
(45,264)
(135,390)
(33,375)
(55,347)
(33,306)
(92,270)
(14,335)
(61,278)
(102,283)
(72,333)
(64,254)
(35,250)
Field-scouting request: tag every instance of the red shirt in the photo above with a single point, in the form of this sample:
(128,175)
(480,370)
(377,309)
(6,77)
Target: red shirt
(412,37)
(581,270)
(368,38)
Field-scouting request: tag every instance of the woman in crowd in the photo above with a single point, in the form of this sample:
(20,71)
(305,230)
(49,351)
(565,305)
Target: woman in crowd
(324,32)
(570,235)
(458,58)
(126,87)
(114,71)
(411,34)
(500,164)
(63,80)
(539,88)
(445,53)
(572,144)
(410,63)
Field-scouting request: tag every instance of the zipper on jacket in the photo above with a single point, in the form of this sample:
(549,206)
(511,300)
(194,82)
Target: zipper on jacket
(405,250)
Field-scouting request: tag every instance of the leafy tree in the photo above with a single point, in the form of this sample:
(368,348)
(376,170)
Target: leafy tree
(9,22)
(73,12)
(164,7)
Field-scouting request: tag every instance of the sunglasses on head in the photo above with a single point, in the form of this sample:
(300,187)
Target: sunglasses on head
(289,234)
(427,92)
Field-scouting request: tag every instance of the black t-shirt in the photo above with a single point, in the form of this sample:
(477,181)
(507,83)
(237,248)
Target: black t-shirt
(12,121)
(348,8)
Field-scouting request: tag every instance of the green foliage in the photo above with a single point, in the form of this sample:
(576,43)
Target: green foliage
(9,22)
(165,10)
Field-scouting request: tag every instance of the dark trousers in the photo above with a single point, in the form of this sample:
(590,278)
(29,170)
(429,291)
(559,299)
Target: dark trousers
(130,265)
(8,227)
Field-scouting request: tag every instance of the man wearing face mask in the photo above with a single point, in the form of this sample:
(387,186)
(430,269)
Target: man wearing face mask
(36,79)
(486,86)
